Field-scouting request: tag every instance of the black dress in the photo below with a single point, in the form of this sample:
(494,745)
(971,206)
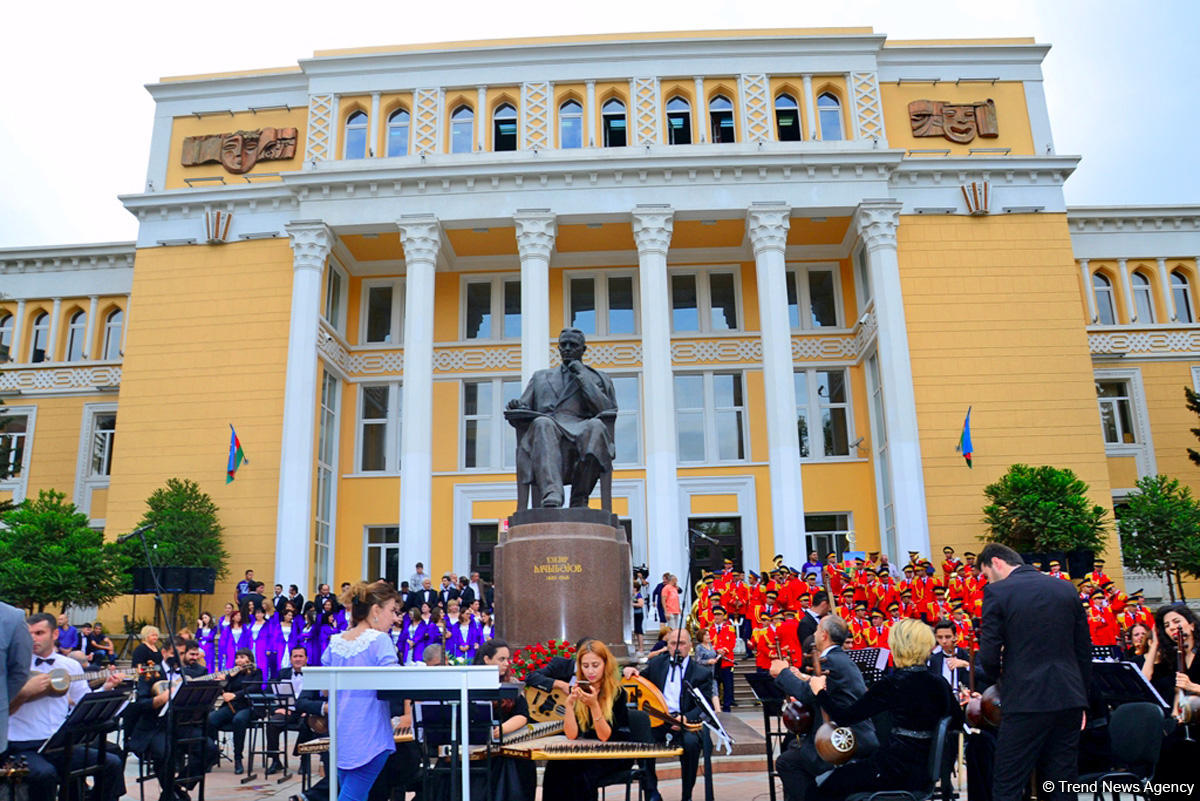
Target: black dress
(578,780)
(917,700)
(1179,756)
(143,654)
(513,779)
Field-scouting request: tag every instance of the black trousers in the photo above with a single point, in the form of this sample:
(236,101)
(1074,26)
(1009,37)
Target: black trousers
(191,767)
(43,774)
(1047,741)
(979,754)
(689,761)
(798,767)
(725,679)
(238,721)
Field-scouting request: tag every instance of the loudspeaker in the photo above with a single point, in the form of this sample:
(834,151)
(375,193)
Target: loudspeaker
(173,579)
(201,580)
(142,584)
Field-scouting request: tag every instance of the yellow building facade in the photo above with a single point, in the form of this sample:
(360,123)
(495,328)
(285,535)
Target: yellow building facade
(802,255)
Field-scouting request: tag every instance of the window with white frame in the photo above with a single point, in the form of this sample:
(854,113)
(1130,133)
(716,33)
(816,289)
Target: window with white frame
(1102,290)
(827,533)
(39,347)
(6,337)
(76,336)
(602,305)
(14,432)
(823,412)
(679,121)
(570,125)
(462,130)
(112,334)
(787,119)
(862,274)
(383,553)
(1180,291)
(327,450)
(628,427)
(492,308)
(504,128)
(397,132)
(356,136)
(379,428)
(720,116)
(814,297)
(829,114)
(612,119)
(1116,412)
(104,436)
(335,301)
(382,315)
(710,417)
(1143,297)
(489,442)
(704,301)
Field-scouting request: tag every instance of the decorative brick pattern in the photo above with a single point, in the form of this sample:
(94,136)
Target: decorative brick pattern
(865,88)
(318,144)
(756,108)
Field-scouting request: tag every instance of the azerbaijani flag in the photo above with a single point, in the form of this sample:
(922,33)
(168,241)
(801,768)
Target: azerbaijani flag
(964,442)
(236,455)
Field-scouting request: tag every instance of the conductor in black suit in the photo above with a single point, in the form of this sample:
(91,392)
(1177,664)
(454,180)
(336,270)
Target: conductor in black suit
(1035,644)
(672,672)
(799,765)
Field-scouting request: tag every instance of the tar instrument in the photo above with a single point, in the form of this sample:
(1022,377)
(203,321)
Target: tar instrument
(162,685)
(797,718)
(61,680)
(12,771)
(644,695)
(1187,706)
(559,747)
(233,671)
(403,734)
(835,744)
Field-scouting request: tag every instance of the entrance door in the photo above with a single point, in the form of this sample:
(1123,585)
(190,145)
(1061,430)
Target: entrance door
(727,531)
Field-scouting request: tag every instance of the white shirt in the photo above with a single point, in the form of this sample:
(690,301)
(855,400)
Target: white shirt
(673,687)
(41,717)
(415,581)
(297,683)
(475,588)
(947,673)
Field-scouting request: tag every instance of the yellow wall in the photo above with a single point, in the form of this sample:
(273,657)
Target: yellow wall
(55,446)
(1170,420)
(184,127)
(993,323)
(1012,117)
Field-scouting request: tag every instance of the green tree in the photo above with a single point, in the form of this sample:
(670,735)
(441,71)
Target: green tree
(50,555)
(1043,509)
(1160,531)
(186,530)
(1193,404)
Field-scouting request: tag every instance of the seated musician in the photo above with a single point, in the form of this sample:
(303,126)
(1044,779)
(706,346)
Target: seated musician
(595,710)
(670,672)
(1181,748)
(235,711)
(306,703)
(799,765)
(36,713)
(917,701)
(512,779)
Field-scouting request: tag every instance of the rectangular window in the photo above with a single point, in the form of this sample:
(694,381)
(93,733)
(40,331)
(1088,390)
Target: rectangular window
(628,428)
(710,417)
(326,489)
(823,412)
(484,537)
(379,428)
(704,302)
(334,300)
(862,272)
(492,308)
(814,290)
(104,433)
(709,558)
(382,312)
(827,533)
(1116,413)
(13,432)
(602,305)
(383,554)
(489,442)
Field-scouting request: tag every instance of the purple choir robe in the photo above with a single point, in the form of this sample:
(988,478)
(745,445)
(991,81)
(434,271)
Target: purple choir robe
(464,645)
(266,647)
(229,643)
(222,627)
(287,640)
(342,621)
(425,633)
(324,633)
(308,637)
(207,639)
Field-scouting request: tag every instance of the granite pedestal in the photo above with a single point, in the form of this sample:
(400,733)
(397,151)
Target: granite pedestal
(563,574)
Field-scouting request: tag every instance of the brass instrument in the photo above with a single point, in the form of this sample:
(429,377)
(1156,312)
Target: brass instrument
(835,744)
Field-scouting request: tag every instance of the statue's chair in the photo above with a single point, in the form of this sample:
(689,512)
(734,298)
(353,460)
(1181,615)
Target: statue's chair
(520,419)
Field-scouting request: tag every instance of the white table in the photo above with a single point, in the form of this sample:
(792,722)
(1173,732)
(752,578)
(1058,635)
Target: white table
(451,679)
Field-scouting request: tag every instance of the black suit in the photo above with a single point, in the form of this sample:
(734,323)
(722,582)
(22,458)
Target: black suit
(937,661)
(698,676)
(1035,643)
(446,595)
(419,597)
(309,702)
(799,765)
(465,596)
(805,628)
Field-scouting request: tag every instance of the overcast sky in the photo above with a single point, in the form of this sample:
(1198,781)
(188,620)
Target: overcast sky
(1121,79)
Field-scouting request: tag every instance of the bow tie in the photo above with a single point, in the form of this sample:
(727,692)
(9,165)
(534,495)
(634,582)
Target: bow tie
(297,672)
(47,661)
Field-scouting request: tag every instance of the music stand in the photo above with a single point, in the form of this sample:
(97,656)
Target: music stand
(708,716)
(1122,683)
(870,661)
(285,696)
(436,724)
(1105,653)
(88,725)
(190,707)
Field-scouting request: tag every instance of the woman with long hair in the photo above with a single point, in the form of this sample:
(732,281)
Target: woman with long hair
(1139,643)
(230,639)
(595,710)
(1181,750)
(512,779)
(465,636)
(263,638)
(222,627)
(364,729)
(206,637)
(309,635)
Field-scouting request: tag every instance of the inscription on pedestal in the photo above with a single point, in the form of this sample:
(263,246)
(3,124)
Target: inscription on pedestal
(557,568)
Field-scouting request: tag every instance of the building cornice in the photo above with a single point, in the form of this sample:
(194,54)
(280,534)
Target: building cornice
(101,255)
(1133,219)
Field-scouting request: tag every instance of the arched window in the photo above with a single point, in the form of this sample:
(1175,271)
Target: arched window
(462,130)
(6,337)
(1143,298)
(1102,290)
(39,346)
(613,119)
(112,335)
(1179,290)
(570,125)
(397,133)
(679,122)
(356,136)
(76,332)
(787,118)
(720,117)
(504,128)
(829,112)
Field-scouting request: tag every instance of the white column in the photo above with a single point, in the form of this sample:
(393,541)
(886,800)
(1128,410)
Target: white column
(15,354)
(1164,280)
(1127,289)
(52,342)
(701,112)
(535,241)
(876,222)
(421,238)
(311,241)
(767,226)
(374,123)
(652,227)
(481,117)
(590,115)
(810,108)
(93,304)
(1086,271)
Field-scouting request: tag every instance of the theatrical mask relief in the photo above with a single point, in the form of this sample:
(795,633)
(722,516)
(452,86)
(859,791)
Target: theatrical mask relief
(239,151)
(958,122)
